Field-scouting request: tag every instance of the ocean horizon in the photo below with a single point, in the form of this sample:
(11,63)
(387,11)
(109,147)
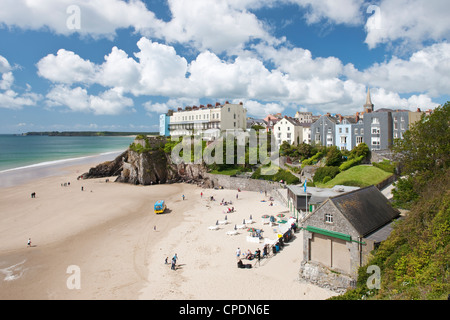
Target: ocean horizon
(22,152)
(24,158)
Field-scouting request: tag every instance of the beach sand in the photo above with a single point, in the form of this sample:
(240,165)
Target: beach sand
(118,245)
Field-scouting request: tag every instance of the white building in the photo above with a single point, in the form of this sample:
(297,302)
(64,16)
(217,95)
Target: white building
(212,119)
(306,132)
(288,129)
(304,117)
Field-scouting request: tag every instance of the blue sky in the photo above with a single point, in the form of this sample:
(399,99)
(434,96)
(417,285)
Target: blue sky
(116,65)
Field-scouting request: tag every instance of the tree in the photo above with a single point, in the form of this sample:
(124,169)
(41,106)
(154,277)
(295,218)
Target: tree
(334,157)
(305,150)
(423,153)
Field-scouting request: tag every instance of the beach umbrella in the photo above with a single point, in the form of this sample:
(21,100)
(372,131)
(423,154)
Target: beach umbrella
(282,221)
(235,227)
(265,216)
(280,215)
(251,229)
(217,222)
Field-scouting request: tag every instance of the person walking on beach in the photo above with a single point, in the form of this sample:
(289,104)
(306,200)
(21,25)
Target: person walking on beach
(174,262)
(238,253)
(258,257)
(29,242)
(183,196)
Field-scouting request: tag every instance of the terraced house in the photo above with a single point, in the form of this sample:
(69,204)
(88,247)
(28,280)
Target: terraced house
(209,120)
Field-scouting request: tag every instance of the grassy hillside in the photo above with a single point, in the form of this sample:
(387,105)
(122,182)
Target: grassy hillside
(360,176)
(415,259)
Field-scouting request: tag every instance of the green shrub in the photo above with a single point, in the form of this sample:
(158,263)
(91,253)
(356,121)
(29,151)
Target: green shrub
(323,172)
(351,162)
(326,179)
(385,165)
(281,174)
(314,159)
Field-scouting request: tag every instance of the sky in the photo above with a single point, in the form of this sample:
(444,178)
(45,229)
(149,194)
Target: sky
(112,65)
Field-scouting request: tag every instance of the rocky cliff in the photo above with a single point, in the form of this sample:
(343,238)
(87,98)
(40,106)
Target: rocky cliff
(146,163)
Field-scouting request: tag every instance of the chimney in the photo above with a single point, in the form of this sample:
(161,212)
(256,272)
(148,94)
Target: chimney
(418,110)
(357,116)
(217,104)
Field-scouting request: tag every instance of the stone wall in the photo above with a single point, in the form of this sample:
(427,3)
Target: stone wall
(325,278)
(247,184)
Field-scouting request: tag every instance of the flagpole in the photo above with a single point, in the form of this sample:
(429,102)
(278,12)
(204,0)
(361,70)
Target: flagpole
(306,195)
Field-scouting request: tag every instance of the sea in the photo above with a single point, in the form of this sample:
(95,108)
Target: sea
(23,155)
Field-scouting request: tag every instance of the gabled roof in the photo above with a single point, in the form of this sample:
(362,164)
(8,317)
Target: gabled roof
(366,209)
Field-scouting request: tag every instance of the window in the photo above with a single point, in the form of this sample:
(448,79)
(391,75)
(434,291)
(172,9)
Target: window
(288,135)
(376,141)
(340,130)
(234,116)
(328,218)
(362,130)
(289,128)
(375,121)
(356,130)
(375,130)
(359,140)
(346,130)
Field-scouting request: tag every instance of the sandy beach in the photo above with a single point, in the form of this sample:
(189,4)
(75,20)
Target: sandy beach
(110,234)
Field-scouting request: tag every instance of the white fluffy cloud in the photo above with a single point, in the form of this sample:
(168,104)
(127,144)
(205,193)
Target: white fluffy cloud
(427,70)
(110,102)
(173,104)
(9,98)
(66,67)
(214,25)
(410,21)
(340,12)
(323,84)
(96,17)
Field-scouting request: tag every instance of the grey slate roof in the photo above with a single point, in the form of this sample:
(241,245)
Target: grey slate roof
(367,209)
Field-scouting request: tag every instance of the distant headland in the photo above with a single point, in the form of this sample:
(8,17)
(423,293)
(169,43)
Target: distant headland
(88,133)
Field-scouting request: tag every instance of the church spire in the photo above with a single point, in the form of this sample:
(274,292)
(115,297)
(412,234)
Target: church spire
(368,107)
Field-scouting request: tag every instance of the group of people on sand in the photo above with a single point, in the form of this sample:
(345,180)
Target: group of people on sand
(174,262)
(250,256)
(225,203)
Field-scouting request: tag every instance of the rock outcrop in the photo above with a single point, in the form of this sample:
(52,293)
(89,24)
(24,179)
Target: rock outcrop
(146,163)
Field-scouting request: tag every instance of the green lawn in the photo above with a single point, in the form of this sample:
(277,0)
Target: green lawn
(226,172)
(359,176)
